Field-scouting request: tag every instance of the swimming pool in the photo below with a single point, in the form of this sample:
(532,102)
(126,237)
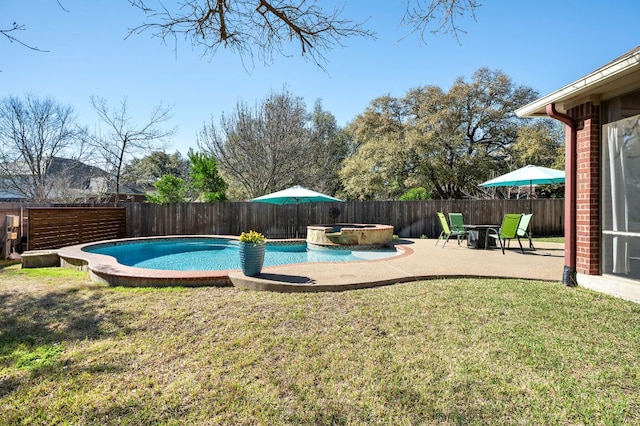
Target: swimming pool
(108,269)
(216,254)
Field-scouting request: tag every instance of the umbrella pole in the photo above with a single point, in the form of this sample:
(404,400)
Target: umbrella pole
(530,212)
(297,218)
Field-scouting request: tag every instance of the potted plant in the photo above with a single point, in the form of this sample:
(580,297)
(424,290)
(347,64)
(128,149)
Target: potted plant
(252,246)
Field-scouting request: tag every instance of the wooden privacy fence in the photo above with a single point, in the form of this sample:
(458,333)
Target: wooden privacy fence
(410,219)
(60,226)
(18,209)
(57,227)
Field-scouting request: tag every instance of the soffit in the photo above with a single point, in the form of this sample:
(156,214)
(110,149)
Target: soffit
(620,76)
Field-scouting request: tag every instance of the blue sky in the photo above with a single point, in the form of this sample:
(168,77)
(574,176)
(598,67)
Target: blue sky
(544,44)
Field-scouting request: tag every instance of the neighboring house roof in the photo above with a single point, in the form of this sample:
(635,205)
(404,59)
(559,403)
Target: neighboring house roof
(17,168)
(77,174)
(68,178)
(619,76)
(80,180)
(7,196)
(135,189)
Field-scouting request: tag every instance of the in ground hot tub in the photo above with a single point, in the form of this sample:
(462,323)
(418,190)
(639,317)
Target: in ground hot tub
(353,235)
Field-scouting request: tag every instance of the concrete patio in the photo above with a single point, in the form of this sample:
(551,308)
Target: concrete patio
(422,260)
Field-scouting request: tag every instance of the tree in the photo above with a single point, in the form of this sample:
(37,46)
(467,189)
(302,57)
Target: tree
(171,190)
(471,132)
(268,28)
(148,169)
(447,142)
(33,132)
(266,148)
(376,169)
(204,177)
(123,139)
(540,143)
(331,147)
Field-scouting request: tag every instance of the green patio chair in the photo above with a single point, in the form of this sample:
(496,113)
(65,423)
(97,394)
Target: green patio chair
(448,233)
(523,229)
(456,221)
(507,231)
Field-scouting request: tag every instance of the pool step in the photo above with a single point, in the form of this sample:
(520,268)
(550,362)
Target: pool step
(40,258)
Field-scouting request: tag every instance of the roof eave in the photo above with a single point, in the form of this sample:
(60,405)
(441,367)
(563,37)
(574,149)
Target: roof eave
(606,82)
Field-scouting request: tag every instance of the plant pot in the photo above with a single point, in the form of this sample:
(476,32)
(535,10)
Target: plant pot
(252,258)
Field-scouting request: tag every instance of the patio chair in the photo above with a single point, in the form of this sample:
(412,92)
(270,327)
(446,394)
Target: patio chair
(523,229)
(508,230)
(446,232)
(456,221)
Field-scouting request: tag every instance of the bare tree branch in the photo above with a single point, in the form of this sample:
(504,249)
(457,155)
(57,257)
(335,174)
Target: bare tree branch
(261,149)
(251,27)
(124,138)
(269,28)
(33,133)
(9,34)
(438,16)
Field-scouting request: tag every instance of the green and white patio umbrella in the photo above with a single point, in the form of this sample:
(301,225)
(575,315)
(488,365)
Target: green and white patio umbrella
(527,176)
(295,195)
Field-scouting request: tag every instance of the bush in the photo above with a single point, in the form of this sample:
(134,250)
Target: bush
(416,194)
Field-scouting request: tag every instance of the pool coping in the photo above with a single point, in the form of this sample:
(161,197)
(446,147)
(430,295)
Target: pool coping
(106,269)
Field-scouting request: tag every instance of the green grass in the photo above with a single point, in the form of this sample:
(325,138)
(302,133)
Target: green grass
(433,352)
(53,273)
(549,239)
(36,357)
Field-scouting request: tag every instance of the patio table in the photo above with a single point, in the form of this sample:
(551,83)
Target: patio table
(477,237)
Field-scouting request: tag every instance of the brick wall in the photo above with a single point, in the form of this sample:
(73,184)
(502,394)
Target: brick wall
(587,117)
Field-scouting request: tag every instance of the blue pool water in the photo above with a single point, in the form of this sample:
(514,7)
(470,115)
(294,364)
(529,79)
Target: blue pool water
(193,254)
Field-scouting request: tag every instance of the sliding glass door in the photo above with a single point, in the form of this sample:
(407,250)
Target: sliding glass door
(621,198)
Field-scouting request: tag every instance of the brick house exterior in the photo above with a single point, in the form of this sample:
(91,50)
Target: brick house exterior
(587,188)
(602,237)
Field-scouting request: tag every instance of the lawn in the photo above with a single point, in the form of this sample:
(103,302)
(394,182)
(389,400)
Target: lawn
(453,351)
(549,239)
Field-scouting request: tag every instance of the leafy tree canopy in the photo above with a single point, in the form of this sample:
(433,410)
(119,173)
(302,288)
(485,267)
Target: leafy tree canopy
(204,177)
(147,170)
(540,143)
(415,194)
(171,190)
(446,142)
